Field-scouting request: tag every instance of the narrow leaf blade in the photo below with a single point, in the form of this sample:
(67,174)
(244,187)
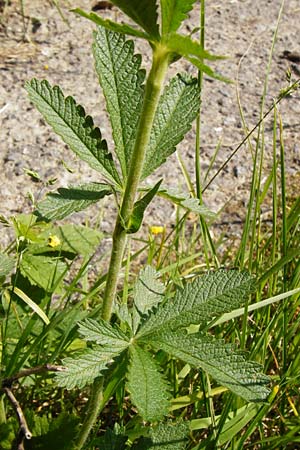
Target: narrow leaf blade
(139,209)
(185,201)
(71,123)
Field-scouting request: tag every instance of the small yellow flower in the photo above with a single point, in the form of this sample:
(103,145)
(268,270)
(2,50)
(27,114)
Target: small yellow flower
(53,240)
(46,67)
(157,229)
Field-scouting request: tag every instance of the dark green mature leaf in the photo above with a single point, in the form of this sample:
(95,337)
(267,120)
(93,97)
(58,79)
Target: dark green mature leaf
(148,290)
(177,108)
(70,122)
(6,264)
(222,361)
(165,436)
(67,201)
(148,388)
(43,271)
(139,209)
(103,333)
(205,298)
(173,13)
(111,440)
(112,26)
(122,80)
(142,12)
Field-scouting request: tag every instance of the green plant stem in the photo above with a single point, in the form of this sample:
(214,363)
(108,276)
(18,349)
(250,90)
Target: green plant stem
(153,90)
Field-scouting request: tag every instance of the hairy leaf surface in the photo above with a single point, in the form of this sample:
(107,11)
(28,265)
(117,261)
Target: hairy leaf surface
(43,271)
(173,13)
(66,201)
(103,333)
(148,388)
(222,361)
(148,290)
(77,129)
(122,82)
(200,301)
(165,436)
(177,108)
(6,264)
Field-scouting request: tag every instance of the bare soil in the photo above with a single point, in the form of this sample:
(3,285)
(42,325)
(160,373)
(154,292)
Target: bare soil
(43,45)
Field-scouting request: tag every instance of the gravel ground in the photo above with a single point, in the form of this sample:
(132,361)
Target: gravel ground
(241,29)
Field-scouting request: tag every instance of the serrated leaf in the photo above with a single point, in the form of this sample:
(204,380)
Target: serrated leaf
(222,361)
(123,28)
(103,333)
(165,436)
(112,440)
(186,46)
(187,202)
(148,290)
(76,129)
(139,209)
(7,264)
(122,80)
(205,298)
(148,388)
(177,108)
(67,201)
(43,271)
(142,12)
(85,368)
(173,13)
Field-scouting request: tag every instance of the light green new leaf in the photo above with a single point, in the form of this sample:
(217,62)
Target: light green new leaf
(76,129)
(222,361)
(173,13)
(67,201)
(185,46)
(139,209)
(103,333)
(185,201)
(142,12)
(78,239)
(148,290)
(122,80)
(165,436)
(148,388)
(85,368)
(7,263)
(177,108)
(205,298)
(43,271)
(112,26)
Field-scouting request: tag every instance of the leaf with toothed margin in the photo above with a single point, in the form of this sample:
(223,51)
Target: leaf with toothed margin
(173,13)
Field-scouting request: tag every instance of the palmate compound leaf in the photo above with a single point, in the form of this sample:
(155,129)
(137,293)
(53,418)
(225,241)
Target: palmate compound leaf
(122,80)
(205,298)
(177,108)
(173,13)
(66,201)
(147,386)
(76,129)
(148,290)
(222,361)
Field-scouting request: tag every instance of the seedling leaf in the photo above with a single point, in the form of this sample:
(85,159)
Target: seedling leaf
(148,388)
(177,108)
(122,80)
(173,13)
(76,129)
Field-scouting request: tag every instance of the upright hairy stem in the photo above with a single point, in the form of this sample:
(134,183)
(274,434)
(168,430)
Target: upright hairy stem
(153,90)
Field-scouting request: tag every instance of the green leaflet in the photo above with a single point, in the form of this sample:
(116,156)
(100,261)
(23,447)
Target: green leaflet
(186,46)
(122,80)
(76,129)
(148,290)
(7,263)
(185,201)
(103,333)
(222,361)
(143,12)
(148,388)
(67,201)
(165,436)
(111,440)
(205,298)
(177,108)
(173,13)
(43,271)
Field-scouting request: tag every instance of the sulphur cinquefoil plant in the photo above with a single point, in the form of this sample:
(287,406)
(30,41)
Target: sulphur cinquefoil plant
(149,117)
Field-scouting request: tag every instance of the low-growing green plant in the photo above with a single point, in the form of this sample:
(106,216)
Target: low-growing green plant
(143,343)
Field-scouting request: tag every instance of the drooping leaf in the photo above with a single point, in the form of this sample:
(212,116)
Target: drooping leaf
(222,361)
(148,388)
(205,298)
(142,12)
(6,264)
(165,436)
(43,271)
(103,333)
(148,290)
(112,26)
(139,209)
(177,108)
(173,13)
(77,129)
(122,80)
(32,305)
(185,201)
(67,201)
